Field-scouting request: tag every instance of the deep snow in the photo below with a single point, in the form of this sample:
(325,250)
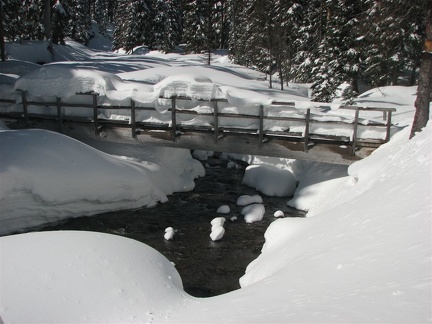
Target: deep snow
(362,254)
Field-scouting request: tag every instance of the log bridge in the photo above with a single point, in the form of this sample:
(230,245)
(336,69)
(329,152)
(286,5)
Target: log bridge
(305,145)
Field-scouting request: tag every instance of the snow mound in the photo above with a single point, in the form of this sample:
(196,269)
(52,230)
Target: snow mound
(278,213)
(224,209)
(253,213)
(47,177)
(169,233)
(217,233)
(186,85)
(65,82)
(370,242)
(317,183)
(79,277)
(218,221)
(244,200)
(270,180)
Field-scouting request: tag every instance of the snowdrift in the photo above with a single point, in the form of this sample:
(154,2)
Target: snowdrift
(46,177)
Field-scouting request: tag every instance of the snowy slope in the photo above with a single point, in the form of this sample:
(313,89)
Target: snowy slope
(362,255)
(46,177)
(367,259)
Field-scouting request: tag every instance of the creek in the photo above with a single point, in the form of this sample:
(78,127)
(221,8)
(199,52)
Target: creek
(207,268)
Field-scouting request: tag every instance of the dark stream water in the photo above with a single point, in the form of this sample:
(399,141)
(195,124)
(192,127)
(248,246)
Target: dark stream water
(207,268)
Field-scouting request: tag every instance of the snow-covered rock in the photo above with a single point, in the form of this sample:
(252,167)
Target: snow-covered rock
(217,232)
(169,233)
(218,221)
(278,213)
(253,213)
(270,180)
(244,200)
(224,209)
(202,155)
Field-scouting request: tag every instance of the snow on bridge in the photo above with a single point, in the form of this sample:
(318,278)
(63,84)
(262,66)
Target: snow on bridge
(193,111)
(277,129)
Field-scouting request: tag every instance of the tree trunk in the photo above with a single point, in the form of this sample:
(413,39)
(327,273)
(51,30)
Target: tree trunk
(47,21)
(2,44)
(425,80)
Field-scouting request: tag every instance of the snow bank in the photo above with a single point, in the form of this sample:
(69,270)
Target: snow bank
(366,256)
(317,183)
(59,81)
(47,177)
(270,180)
(79,277)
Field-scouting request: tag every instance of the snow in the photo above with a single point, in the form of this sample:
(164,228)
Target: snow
(253,213)
(79,277)
(47,177)
(169,233)
(217,229)
(217,232)
(224,209)
(362,255)
(218,221)
(244,200)
(278,213)
(270,180)
(202,155)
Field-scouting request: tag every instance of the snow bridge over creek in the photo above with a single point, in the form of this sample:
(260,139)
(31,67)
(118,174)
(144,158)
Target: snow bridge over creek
(280,129)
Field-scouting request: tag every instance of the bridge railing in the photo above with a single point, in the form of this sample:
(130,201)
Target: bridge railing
(174,126)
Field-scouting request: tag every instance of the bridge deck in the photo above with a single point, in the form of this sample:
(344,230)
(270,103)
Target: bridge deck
(214,134)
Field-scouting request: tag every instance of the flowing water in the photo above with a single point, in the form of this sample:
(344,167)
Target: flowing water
(207,268)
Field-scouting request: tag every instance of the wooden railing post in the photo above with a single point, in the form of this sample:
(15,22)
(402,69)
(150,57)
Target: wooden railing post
(132,119)
(95,114)
(306,134)
(25,108)
(354,140)
(216,121)
(173,119)
(59,115)
(389,117)
(261,126)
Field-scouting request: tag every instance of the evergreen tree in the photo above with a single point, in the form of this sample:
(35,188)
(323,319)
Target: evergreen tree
(101,16)
(220,24)
(394,40)
(196,23)
(59,20)
(167,25)
(79,25)
(12,10)
(134,24)
(338,58)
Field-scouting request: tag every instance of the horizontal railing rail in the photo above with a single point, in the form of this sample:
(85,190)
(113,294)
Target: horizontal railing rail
(174,126)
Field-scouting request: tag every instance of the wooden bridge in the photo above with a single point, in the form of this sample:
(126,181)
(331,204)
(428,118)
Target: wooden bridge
(299,138)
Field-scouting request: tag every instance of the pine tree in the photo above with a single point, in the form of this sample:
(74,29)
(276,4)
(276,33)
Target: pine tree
(14,11)
(60,17)
(134,21)
(101,16)
(394,40)
(196,22)
(79,25)
(167,25)
(338,57)
(220,24)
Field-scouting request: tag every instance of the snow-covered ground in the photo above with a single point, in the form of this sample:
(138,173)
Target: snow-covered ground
(363,253)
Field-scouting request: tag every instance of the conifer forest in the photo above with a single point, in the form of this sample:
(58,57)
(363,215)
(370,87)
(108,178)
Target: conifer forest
(322,42)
